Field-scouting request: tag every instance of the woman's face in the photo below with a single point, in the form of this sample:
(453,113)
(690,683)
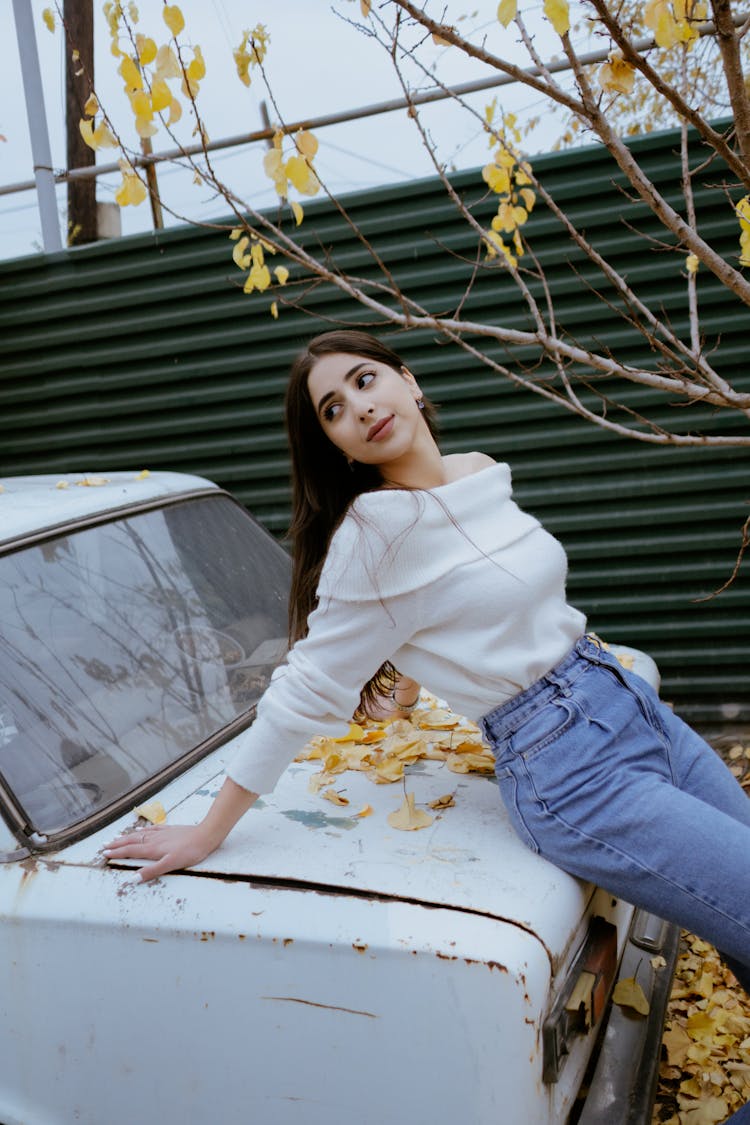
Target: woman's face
(368,410)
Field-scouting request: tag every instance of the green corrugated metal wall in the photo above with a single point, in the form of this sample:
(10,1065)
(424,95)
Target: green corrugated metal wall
(144,353)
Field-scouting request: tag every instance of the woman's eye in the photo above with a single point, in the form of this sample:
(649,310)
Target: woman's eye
(331,411)
(364,379)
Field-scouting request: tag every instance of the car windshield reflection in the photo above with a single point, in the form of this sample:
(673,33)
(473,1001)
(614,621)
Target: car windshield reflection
(126,645)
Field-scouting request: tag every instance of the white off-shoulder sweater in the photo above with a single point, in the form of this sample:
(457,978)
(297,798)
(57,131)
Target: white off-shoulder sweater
(458,587)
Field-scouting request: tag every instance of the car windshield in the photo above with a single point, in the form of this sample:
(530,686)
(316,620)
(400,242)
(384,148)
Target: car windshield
(126,645)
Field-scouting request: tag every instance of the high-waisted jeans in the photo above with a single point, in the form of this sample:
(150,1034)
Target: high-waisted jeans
(602,779)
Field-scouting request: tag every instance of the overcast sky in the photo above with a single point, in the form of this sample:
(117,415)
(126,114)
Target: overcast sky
(317,63)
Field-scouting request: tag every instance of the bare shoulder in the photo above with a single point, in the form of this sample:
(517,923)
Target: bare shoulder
(457,465)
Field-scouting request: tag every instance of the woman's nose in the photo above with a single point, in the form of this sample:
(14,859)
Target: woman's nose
(365,410)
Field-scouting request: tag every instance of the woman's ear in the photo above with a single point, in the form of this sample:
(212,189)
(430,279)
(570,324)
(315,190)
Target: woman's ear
(411,381)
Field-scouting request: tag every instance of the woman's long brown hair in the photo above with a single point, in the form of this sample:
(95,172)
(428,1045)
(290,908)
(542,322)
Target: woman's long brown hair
(323,485)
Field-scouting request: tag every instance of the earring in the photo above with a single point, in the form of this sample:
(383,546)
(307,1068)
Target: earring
(420,403)
(350,463)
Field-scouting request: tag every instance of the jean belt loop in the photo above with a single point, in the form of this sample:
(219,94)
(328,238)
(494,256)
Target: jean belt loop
(556,682)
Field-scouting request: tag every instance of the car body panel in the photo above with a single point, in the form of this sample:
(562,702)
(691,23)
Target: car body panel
(31,504)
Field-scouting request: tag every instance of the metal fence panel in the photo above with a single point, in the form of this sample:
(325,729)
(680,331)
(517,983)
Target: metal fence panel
(145,353)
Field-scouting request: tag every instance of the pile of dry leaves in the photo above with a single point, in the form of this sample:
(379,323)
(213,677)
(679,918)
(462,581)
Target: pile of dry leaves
(382,751)
(705,1070)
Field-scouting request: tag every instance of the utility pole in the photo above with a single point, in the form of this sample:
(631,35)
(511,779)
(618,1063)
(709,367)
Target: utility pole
(79,83)
(44,177)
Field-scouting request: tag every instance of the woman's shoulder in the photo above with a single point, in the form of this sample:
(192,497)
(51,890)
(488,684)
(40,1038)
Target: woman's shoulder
(458,465)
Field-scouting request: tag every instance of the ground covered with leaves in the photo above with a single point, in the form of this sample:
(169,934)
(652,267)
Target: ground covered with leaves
(705,1069)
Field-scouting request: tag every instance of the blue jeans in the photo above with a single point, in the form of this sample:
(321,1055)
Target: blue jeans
(603,780)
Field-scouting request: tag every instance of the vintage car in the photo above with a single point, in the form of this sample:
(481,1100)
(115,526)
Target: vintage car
(321,966)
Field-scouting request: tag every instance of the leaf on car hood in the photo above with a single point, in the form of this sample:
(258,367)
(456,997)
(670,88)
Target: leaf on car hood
(153,811)
(407,818)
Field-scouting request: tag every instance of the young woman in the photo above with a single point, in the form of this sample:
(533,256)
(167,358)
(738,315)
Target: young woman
(409,560)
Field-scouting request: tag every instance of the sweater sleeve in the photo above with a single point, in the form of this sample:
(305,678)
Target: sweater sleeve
(317,689)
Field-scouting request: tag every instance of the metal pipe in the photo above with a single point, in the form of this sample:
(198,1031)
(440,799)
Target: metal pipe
(44,177)
(436,95)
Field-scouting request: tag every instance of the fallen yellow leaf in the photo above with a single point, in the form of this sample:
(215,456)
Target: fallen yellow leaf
(438,720)
(354,734)
(709,1111)
(447,801)
(407,818)
(629,994)
(334,797)
(387,770)
(153,811)
(677,1043)
(478,763)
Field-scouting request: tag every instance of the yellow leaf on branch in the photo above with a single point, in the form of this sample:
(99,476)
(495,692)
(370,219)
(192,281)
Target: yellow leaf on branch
(691,263)
(196,70)
(131,191)
(506,11)
(49,19)
(307,143)
(301,175)
(558,14)
(239,255)
(173,18)
(146,48)
(130,74)
(167,63)
(140,103)
(251,52)
(743,214)
(161,95)
(617,76)
(496,178)
(282,274)
(99,137)
(144,126)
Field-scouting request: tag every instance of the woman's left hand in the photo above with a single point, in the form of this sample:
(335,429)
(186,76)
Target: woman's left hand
(399,704)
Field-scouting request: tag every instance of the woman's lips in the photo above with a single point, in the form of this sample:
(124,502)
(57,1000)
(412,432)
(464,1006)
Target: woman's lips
(380,429)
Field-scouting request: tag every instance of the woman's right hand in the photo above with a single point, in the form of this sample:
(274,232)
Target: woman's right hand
(172,847)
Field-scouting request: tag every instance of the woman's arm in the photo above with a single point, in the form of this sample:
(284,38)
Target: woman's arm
(174,847)
(315,691)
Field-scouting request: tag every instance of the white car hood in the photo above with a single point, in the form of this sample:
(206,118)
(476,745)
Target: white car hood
(468,859)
